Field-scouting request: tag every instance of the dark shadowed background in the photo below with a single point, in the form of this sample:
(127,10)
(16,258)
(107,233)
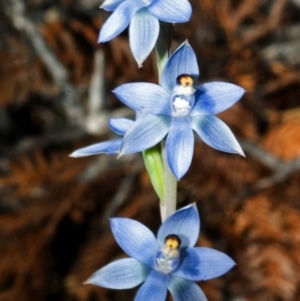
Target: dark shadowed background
(55,83)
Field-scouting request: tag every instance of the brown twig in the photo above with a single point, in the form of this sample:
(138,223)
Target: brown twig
(16,11)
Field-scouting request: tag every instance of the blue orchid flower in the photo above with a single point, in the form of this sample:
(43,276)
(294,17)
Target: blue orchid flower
(170,262)
(120,126)
(176,108)
(143,16)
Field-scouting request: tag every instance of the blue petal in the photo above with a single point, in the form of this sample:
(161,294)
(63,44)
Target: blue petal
(182,61)
(120,274)
(180,146)
(154,288)
(172,11)
(135,239)
(120,125)
(146,132)
(184,290)
(203,264)
(216,97)
(216,133)
(143,33)
(111,5)
(185,223)
(119,19)
(107,147)
(145,97)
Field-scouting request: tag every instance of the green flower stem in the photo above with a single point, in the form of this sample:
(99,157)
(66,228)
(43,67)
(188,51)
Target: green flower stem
(163,45)
(162,48)
(162,179)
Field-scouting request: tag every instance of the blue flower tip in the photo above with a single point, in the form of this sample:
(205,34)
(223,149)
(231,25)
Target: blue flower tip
(112,221)
(233,264)
(86,282)
(192,206)
(241,152)
(177,176)
(243,91)
(75,154)
(116,90)
(102,39)
(121,152)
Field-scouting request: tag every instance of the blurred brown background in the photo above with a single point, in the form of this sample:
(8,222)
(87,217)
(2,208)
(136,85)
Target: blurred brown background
(55,84)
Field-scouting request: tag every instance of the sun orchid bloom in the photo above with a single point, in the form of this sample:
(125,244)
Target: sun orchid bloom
(143,16)
(168,262)
(176,108)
